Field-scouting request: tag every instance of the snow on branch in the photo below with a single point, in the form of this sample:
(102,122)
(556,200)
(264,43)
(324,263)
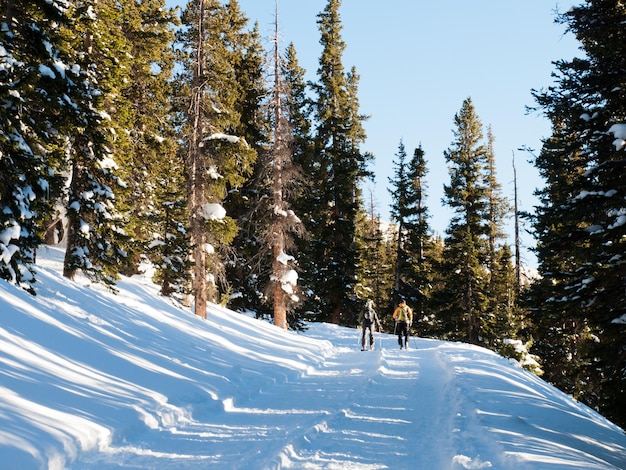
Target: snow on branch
(212,212)
(619,132)
(233,139)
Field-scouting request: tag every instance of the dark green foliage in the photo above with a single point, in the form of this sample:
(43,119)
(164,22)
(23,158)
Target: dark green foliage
(335,168)
(96,236)
(465,252)
(579,305)
(148,160)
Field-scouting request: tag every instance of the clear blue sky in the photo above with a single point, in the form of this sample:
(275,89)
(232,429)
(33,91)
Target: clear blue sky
(418,61)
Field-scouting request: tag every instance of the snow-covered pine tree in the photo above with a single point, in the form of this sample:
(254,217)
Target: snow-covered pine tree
(265,245)
(95,227)
(581,222)
(37,81)
(285,178)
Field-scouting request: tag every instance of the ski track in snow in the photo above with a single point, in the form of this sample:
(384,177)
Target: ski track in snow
(93,380)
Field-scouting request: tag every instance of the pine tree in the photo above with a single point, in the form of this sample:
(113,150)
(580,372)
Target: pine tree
(335,170)
(216,158)
(284,222)
(580,223)
(498,205)
(38,82)
(420,242)
(503,318)
(269,223)
(413,265)
(401,210)
(465,245)
(150,159)
(95,227)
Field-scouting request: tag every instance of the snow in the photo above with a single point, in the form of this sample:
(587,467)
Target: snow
(213,211)
(284,258)
(12,232)
(220,136)
(619,132)
(90,379)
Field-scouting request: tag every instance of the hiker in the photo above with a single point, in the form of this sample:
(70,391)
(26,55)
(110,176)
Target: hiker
(368,321)
(403,316)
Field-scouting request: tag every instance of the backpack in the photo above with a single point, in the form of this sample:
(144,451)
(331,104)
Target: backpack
(402,315)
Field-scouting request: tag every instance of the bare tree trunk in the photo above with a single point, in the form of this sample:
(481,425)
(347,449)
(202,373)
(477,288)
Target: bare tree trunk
(69,270)
(196,187)
(518,266)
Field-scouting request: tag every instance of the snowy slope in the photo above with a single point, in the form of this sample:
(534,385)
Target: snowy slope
(89,379)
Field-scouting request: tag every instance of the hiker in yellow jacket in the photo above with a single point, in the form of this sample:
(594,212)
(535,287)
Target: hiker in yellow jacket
(403,316)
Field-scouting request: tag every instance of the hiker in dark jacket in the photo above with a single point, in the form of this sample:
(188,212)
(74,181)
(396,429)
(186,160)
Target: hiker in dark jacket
(403,316)
(368,321)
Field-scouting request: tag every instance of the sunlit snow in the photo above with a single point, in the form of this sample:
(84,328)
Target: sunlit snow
(94,380)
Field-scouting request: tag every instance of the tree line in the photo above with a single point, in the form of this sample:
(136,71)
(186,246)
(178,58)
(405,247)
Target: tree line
(134,133)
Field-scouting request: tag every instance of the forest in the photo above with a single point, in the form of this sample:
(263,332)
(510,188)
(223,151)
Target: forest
(135,134)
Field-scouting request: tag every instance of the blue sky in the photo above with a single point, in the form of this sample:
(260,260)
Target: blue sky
(419,60)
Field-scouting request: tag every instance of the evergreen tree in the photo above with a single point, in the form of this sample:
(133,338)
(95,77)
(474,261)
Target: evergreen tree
(465,245)
(375,268)
(498,205)
(413,265)
(401,210)
(284,222)
(269,223)
(38,83)
(216,158)
(150,159)
(335,170)
(247,270)
(503,319)
(95,227)
(420,244)
(298,111)
(580,303)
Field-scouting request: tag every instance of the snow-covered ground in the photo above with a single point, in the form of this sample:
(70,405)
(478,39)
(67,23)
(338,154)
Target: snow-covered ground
(90,379)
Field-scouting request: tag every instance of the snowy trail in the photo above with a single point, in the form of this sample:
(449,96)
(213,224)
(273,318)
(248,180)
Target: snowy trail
(366,410)
(93,380)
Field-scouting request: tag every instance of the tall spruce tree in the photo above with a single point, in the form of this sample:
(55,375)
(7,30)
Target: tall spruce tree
(284,222)
(420,237)
(38,83)
(413,266)
(466,241)
(503,318)
(269,224)
(216,158)
(95,231)
(336,168)
(579,305)
(401,210)
(150,158)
